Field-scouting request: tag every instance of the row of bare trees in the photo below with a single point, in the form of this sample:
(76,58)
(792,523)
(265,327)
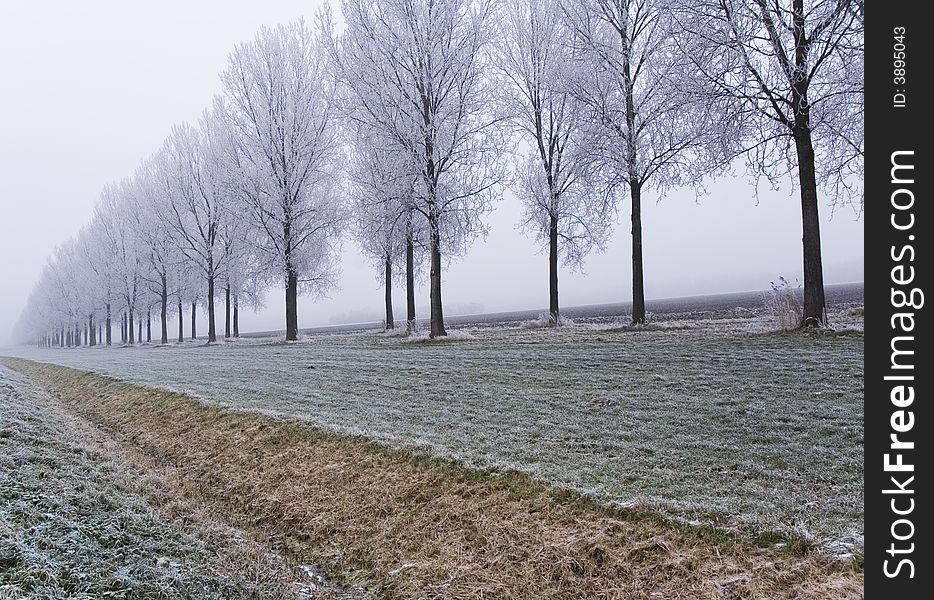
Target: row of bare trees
(403,125)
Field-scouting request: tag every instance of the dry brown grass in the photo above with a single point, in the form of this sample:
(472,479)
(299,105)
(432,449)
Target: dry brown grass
(412,527)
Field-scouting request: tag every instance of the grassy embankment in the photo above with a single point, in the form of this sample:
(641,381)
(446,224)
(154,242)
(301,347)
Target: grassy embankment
(405,525)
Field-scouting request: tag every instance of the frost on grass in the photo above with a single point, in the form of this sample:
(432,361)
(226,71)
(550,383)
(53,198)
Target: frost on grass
(75,524)
(783,305)
(702,423)
(546,320)
(424,337)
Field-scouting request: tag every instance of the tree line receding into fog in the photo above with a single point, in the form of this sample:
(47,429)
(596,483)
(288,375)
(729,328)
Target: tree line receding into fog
(403,127)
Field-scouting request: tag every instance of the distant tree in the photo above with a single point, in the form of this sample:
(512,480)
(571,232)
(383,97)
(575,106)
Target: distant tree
(36,322)
(796,67)
(96,285)
(279,102)
(187,286)
(239,267)
(417,73)
(42,311)
(121,247)
(57,291)
(154,227)
(382,181)
(645,129)
(560,206)
(64,279)
(195,174)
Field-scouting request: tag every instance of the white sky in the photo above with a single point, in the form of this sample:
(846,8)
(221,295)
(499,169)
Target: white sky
(88,89)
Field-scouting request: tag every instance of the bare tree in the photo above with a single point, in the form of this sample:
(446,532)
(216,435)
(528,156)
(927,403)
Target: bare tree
(100,274)
(153,225)
(280,105)
(382,182)
(194,175)
(416,72)
(796,67)
(560,207)
(121,246)
(63,286)
(645,131)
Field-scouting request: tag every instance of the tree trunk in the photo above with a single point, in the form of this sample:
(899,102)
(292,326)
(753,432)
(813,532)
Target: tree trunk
(815,310)
(212,331)
(553,270)
(164,312)
(236,316)
(410,283)
(291,306)
(148,325)
(139,329)
(194,320)
(130,333)
(109,326)
(181,320)
(437,312)
(638,285)
(635,186)
(227,311)
(92,339)
(388,281)
(100,333)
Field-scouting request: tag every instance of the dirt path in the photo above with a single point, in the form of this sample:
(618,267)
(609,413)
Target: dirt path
(412,527)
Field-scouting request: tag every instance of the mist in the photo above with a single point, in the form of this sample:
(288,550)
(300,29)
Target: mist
(89,90)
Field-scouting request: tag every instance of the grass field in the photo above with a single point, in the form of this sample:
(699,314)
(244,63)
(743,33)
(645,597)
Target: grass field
(708,424)
(80,520)
(390,524)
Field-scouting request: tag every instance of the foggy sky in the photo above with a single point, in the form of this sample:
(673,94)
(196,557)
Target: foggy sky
(89,89)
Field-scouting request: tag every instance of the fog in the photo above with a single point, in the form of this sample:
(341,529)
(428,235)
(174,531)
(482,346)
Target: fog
(89,89)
